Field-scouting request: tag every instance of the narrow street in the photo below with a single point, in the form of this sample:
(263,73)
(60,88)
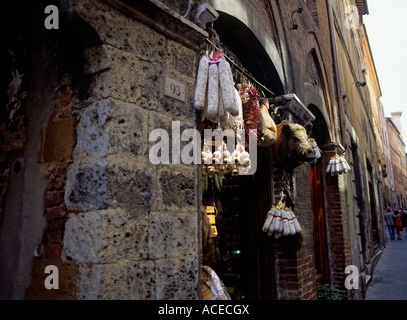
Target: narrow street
(390,276)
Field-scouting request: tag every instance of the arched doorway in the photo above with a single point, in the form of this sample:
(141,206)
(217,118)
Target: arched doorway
(246,264)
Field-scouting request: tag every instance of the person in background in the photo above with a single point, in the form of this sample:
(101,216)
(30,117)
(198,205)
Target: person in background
(389,217)
(404,218)
(398,223)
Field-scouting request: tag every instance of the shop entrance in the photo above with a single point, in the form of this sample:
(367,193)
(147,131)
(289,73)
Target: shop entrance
(242,255)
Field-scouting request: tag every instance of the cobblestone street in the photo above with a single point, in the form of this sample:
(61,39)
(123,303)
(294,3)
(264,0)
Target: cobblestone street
(390,276)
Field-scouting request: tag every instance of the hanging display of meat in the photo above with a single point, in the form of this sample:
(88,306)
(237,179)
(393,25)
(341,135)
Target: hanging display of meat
(215,92)
(337,166)
(220,162)
(316,150)
(251,109)
(281,220)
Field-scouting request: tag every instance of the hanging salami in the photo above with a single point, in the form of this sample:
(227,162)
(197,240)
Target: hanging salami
(201,83)
(281,220)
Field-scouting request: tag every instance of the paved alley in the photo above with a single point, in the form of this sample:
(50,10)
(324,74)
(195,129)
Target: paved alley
(390,276)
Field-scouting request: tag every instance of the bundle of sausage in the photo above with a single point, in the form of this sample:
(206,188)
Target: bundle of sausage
(222,161)
(281,220)
(316,149)
(337,165)
(215,92)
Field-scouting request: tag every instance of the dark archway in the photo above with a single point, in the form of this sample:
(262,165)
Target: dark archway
(247,266)
(320,130)
(244,44)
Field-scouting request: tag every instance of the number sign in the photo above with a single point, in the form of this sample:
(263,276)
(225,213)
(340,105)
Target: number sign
(174,89)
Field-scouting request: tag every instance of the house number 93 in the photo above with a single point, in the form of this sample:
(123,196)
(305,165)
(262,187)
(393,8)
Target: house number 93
(174,89)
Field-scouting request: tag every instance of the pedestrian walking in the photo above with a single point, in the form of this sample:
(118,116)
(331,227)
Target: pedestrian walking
(398,223)
(389,217)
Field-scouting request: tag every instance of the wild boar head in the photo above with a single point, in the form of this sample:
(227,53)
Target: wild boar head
(292,147)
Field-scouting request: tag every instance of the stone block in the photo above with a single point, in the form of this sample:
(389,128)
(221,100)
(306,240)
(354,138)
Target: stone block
(123,32)
(177,279)
(122,280)
(129,186)
(125,71)
(92,129)
(86,186)
(177,189)
(112,126)
(141,279)
(83,238)
(106,236)
(128,130)
(66,276)
(180,60)
(152,89)
(89,276)
(152,93)
(113,281)
(127,239)
(121,69)
(59,140)
(171,236)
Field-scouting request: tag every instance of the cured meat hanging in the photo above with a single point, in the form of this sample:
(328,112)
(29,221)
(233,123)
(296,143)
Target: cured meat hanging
(337,166)
(316,149)
(221,162)
(281,220)
(251,109)
(216,87)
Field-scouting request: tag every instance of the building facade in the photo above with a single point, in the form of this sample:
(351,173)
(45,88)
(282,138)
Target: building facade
(388,190)
(397,153)
(79,188)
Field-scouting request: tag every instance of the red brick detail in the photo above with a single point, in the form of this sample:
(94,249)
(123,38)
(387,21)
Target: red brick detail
(52,250)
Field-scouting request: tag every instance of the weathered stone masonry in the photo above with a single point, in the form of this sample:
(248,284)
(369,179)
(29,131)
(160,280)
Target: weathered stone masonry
(116,226)
(137,229)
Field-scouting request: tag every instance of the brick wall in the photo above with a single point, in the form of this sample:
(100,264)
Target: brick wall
(294,255)
(337,228)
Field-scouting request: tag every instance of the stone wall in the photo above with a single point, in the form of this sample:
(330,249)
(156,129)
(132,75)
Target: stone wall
(115,225)
(137,226)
